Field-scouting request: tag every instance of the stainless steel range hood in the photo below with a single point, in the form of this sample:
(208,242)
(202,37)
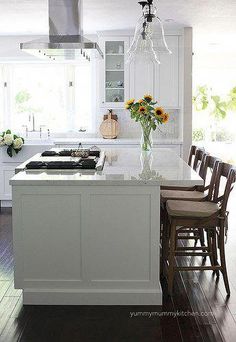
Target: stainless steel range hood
(65,40)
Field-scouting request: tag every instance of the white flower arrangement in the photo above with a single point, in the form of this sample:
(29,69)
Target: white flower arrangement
(13,142)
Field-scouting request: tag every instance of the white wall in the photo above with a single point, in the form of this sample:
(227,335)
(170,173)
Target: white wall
(10,49)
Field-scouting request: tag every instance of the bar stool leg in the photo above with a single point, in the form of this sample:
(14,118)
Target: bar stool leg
(214,251)
(222,258)
(209,245)
(171,258)
(165,243)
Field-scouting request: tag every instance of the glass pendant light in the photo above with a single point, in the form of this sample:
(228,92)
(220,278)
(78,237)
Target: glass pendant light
(162,46)
(142,46)
(148,29)
(137,33)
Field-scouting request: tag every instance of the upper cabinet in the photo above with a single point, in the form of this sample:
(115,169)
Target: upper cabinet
(119,80)
(142,79)
(114,72)
(167,75)
(162,80)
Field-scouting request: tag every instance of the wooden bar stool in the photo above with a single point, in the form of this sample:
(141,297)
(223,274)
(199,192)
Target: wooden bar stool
(195,156)
(210,216)
(207,172)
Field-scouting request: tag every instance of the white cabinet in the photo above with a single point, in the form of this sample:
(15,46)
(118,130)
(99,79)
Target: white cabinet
(142,79)
(162,80)
(167,75)
(6,173)
(114,72)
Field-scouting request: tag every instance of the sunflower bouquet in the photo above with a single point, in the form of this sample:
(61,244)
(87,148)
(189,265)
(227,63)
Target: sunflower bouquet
(149,115)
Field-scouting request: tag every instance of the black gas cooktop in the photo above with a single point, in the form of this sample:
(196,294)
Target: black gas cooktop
(90,159)
(89,164)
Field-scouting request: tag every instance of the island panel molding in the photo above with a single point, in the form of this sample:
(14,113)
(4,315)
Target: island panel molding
(79,245)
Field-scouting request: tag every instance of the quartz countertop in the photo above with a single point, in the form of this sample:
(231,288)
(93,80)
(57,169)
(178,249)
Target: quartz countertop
(122,167)
(101,141)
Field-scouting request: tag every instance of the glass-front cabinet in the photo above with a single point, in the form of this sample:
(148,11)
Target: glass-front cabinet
(114,72)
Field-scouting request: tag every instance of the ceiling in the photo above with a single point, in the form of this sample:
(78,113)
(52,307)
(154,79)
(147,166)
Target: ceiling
(213,21)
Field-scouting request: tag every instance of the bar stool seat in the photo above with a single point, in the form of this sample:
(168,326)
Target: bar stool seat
(192,209)
(182,195)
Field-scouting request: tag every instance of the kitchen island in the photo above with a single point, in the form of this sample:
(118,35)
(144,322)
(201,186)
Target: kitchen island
(92,237)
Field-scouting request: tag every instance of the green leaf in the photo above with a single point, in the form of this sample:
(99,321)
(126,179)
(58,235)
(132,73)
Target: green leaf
(8,131)
(18,150)
(135,106)
(216,99)
(10,151)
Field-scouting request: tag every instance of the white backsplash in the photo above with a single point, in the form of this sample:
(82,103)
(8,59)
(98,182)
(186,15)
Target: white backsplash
(131,129)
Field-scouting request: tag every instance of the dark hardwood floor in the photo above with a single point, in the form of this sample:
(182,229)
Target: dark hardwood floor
(194,292)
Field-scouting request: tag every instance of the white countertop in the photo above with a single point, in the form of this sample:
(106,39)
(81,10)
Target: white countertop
(101,141)
(122,167)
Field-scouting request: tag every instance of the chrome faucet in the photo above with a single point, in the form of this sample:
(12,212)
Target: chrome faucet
(26,130)
(41,130)
(32,118)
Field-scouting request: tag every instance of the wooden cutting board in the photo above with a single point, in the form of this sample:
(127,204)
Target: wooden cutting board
(110,128)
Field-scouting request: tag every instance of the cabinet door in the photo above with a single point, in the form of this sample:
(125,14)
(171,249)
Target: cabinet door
(162,80)
(167,75)
(114,72)
(7,172)
(142,77)
(142,80)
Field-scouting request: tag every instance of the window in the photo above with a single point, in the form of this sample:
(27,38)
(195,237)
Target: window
(56,96)
(1,96)
(83,96)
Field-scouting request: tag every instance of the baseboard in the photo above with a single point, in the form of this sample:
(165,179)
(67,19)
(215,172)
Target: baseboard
(92,297)
(6,204)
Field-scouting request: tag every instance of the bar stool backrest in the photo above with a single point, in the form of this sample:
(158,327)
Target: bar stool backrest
(211,165)
(231,179)
(198,158)
(192,153)
(224,183)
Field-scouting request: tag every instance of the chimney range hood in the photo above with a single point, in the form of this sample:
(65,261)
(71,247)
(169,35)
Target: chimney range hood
(65,40)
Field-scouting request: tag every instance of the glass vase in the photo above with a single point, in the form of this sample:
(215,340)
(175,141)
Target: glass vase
(146,139)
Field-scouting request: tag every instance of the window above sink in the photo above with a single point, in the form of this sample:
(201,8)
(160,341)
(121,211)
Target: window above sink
(57,97)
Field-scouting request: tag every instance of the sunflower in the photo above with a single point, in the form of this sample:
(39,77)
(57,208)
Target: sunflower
(142,109)
(129,103)
(148,98)
(140,101)
(159,111)
(165,118)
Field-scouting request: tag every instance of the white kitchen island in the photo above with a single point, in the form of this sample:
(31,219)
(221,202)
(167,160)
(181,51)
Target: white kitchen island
(92,238)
